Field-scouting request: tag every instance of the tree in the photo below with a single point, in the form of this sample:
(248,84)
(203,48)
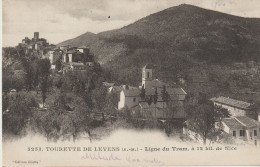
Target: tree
(36,78)
(165,97)
(57,122)
(98,96)
(13,80)
(58,64)
(20,108)
(164,94)
(6,80)
(127,113)
(111,103)
(29,74)
(149,100)
(155,99)
(172,108)
(44,67)
(202,119)
(142,94)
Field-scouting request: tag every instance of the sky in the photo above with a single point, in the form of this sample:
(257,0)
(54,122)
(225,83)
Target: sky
(59,20)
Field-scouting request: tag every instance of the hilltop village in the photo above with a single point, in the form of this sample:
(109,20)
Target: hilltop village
(81,97)
(61,58)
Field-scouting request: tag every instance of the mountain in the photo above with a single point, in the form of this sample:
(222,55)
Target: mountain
(202,33)
(84,39)
(176,41)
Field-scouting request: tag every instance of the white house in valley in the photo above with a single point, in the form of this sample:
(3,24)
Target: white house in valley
(243,123)
(242,128)
(129,98)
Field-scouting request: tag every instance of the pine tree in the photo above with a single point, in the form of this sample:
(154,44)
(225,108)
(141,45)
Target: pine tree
(155,99)
(142,94)
(165,95)
(44,67)
(149,100)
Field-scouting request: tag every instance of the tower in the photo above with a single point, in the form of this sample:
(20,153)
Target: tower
(36,36)
(147,74)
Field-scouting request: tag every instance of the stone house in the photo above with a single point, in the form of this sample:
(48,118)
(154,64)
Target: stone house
(243,128)
(237,107)
(131,98)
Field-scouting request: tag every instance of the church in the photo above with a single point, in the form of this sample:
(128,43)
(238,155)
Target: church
(153,104)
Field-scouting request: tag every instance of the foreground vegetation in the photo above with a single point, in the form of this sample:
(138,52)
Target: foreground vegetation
(48,102)
(63,106)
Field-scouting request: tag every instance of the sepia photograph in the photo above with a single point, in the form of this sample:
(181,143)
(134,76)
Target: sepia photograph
(130,83)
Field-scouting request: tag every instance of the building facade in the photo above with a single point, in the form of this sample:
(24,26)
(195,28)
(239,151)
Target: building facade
(242,128)
(131,98)
(236,107)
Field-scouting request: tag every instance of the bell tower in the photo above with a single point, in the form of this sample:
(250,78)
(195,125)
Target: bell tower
(147,75)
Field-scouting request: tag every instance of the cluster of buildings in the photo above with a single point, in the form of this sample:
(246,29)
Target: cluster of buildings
(130,98)
(244,122)
(71,58)
(35,44)
(68,58)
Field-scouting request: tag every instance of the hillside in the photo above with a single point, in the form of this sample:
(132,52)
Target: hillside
(205,34)
(85,39)
(183,42)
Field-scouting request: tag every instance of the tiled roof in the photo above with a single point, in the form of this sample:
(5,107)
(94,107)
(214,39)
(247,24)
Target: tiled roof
(157,83)
(132,92)
(135,108)
(116,88)
(176,91)
(232,123)
(247,121)
(108,84)
(148,66)
(172,91)
(240,122)
(159,104)
(231,102)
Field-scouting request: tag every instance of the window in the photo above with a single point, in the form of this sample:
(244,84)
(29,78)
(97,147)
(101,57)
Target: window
(234,133)
(148,74)
(242,133)
(134,99)
(255,132)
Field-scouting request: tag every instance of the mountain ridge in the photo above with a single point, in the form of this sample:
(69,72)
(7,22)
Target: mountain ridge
(183,27)
(176,41)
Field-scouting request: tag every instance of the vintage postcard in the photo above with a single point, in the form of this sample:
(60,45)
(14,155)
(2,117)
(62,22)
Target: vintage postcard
(130,82)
